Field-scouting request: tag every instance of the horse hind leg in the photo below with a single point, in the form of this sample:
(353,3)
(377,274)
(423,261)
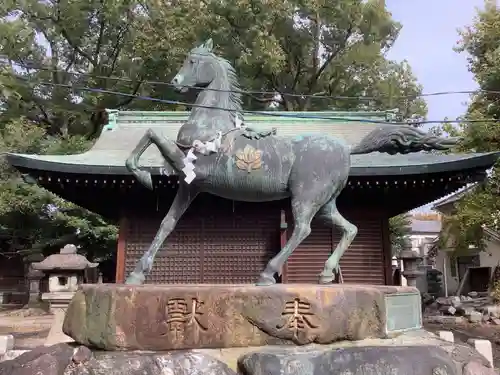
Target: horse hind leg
(331,214)
(303,213)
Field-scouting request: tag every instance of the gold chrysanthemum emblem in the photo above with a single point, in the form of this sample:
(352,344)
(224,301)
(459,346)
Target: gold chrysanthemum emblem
(249,158)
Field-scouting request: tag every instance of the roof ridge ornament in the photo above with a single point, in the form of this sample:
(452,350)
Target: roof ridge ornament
(112,119)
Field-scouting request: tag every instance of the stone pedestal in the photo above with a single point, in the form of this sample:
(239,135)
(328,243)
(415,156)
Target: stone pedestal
(166,317)
(58,302)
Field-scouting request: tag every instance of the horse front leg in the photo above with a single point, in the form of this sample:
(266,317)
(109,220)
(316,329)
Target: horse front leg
(185,195)
(168,148)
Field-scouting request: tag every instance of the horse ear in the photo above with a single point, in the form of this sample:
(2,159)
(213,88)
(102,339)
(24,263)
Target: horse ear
(209,45)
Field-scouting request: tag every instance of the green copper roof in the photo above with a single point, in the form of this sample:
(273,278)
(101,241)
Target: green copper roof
(125,128)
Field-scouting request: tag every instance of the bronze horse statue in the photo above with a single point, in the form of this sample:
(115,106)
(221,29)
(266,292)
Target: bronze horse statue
(219,156)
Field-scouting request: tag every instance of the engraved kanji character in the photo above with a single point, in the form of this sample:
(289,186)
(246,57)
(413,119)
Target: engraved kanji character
(299,316)
(176,312)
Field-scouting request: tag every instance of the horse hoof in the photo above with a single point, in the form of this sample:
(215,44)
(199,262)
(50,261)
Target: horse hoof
(326,279)
(145,179)
(135,279)
(265,280)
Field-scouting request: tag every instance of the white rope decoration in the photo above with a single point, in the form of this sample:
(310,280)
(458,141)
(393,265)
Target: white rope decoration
(204,148)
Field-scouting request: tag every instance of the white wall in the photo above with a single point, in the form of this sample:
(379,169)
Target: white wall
(452,283)
(421,243)
(490,257)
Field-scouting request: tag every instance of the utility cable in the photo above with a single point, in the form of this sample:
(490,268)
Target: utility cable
(261,113)
(250,93)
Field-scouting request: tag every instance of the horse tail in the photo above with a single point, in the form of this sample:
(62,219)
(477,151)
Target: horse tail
(403,139)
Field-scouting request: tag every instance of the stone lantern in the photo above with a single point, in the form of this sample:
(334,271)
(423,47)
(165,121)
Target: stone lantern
(410,260)
(65,272)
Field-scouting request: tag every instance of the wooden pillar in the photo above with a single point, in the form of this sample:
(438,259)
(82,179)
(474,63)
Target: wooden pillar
(121,250)
(283,240)
(387,249)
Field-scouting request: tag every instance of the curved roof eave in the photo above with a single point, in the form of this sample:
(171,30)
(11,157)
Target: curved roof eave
(374,164)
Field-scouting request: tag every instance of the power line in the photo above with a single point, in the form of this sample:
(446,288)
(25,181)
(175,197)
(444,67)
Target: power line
(261,113)
(250,93)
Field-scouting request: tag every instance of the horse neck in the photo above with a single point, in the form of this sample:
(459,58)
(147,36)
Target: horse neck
(220,93)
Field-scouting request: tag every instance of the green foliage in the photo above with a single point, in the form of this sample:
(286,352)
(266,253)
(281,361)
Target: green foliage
(480,206)
(495,292)
(299,47)
(302,47)
(399,230)
(285,47)
(34,220)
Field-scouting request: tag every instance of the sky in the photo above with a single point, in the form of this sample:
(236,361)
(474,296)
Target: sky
(426,40)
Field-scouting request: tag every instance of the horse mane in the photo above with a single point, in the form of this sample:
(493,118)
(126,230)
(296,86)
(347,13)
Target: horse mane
(234,98)
(231,102)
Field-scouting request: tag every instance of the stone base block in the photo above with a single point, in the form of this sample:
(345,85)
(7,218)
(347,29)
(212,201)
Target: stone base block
(416,353)
(166,317)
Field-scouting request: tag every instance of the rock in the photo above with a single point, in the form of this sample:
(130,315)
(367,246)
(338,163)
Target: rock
(354,360)
(427,299)
(82,355)
(445,319)
(6,343)
(475,317)
(161,317)
(492,310)
(472,294)
(451,310)
(180,363)
(11,354)
(46,360)
(455,301)
(64,359)
(462,354)
(466,310)
(443,300)
(475,368)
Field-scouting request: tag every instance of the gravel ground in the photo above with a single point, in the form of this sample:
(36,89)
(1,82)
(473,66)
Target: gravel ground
(28,331)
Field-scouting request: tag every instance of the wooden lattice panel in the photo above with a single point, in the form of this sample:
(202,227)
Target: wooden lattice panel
(178,260)
(214,246)
(362,263)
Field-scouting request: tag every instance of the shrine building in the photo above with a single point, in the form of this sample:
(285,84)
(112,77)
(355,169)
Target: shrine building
(222,241)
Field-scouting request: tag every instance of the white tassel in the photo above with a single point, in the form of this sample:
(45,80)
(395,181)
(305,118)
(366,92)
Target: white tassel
(238,122)
(189,166)
(204,148)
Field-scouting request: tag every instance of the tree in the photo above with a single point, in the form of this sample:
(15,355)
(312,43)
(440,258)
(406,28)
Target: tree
(399,230)
(32,220)
(98,39)
(300,47)
(293,47)
(480,206)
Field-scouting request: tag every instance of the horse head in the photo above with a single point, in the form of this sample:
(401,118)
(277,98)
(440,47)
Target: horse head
(197,69)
